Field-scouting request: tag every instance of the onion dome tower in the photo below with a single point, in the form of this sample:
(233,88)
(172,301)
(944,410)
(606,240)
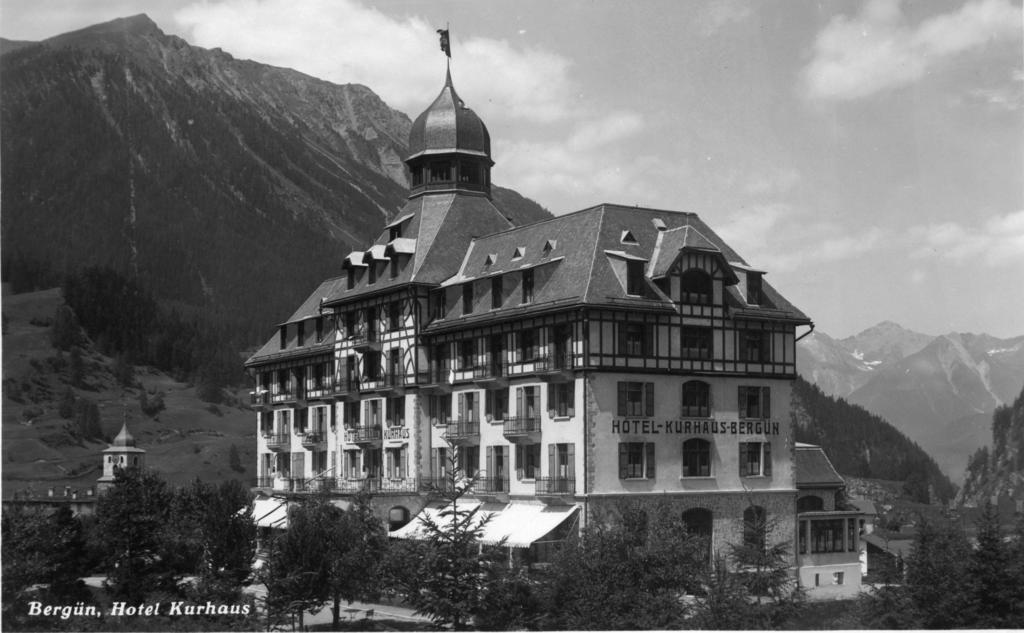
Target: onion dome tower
(449,148)
(122,453)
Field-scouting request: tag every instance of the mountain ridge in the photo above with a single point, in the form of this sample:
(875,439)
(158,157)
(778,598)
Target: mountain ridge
(227,185)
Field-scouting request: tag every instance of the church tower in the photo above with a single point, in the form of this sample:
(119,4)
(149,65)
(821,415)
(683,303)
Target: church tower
(121,454)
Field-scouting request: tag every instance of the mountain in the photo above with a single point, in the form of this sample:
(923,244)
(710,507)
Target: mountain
(998,474)
(223,185)
(864,446)
(939,390)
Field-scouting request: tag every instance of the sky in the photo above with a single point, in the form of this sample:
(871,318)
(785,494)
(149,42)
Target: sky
(869,155)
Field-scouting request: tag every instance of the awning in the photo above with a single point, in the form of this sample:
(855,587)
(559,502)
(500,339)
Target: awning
(522,524)
(519,524)
(273,512)
(415,529)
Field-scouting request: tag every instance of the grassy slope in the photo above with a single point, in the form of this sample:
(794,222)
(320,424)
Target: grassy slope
(184,441)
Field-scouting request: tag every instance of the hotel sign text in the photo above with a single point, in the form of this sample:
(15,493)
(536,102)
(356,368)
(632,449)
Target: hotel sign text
(696,427)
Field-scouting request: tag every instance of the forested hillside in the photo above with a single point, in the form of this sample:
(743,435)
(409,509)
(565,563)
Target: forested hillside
(861,444)
(999,471)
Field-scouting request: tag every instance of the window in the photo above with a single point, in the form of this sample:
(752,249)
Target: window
(695,286)
(636,460)
(755,459)
(527,461)
(827,536)
(351,324)
(371,365)
(838,577)
(438,304)
(699,523)
(394,265)
(695,343)
(371,324)
(350,279)
(754,293)
(812,503)
(634,277)
(371,271)
(636,399)
(755,403)
(372,413)
(496,403)
(395,232)
(755,346)
(417,177)
(439,408)
(755,527)
(284,336)
(696,458)
(396,411)
(395,462)
(636,339)
(628,238)
(467,353)
(439,462)
(395,315)
(527,346)
(301,337)
(851,535)
(440,172)
(467,297)
(319,329)
(562,399)
(469,460)
(527,403)
(469,406)
(528,286)
(496,292)
(351,464)
(696,399)
(351,415)
(562,459)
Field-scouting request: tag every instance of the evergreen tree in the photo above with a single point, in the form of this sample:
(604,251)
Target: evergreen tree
(234,461)
(354,549)
(940,556)
(66,332)
(66,409)
(76,368)
(994,596)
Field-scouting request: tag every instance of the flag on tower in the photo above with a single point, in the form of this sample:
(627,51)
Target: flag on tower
(445,45)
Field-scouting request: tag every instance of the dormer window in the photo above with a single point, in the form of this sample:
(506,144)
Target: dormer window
(528,286)
(372,272)
(301,337)
(634,277)
(284,336)
(695,286)
(518,254)
(489,261)
(467,298)
(549,246)
(497,294)
(754,293)
(628,238)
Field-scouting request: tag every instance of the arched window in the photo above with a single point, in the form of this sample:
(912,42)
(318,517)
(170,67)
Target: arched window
(397,517)
(695,285)
(696,458)
(696,399)
(755,527)
(811,503)
(698,523)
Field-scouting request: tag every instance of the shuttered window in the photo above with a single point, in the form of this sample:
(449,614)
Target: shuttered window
(636,460)
(635,399)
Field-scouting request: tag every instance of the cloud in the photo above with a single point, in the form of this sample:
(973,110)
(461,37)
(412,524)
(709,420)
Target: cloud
(721,13)
(771,182)
(999,241)
(876,51)
(594,163)
(781,238)
(345,42)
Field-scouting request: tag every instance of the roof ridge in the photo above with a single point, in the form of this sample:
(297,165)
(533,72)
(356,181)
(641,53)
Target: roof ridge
(593,255)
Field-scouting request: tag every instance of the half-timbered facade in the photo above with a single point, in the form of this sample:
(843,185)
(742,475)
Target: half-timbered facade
(615,353)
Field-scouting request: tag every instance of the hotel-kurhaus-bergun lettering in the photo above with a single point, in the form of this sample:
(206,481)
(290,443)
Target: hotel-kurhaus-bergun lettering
(613,353)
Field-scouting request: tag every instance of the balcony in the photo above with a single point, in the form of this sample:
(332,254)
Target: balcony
(491,376)
(555,486)
(435,381)
(436,485)
(555,368)
(371,383)
(462,432)
(397,382)
(278,441)
(259,398)
(379,485)
(364,435)
(283,395)
(365,340)
(524,429)
(486,486)
(320,390)
(346,389)
(315,441)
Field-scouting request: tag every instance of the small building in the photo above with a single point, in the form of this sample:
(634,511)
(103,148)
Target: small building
(828,531)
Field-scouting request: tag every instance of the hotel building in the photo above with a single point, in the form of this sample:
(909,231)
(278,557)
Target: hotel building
(615,353)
